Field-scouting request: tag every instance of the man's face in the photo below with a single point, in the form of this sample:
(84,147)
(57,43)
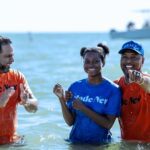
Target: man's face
(131,60)
(6,56)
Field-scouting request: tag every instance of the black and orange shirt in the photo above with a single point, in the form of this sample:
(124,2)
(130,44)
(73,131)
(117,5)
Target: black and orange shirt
(8,114)
(135,112)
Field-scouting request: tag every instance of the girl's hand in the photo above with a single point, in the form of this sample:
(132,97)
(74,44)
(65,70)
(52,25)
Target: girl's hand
(78,105)
(58,91)
(9,92)
(68,95)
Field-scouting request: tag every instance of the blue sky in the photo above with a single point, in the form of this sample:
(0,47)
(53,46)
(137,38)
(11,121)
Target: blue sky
(69,15)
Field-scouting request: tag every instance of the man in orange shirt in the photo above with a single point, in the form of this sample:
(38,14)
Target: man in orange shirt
(14,90)
(135,86)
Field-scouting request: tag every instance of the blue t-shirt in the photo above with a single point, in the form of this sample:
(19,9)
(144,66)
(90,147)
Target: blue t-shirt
(104,99)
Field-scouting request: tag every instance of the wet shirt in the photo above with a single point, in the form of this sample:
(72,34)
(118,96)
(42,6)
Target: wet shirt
(8,114)
(104,99)
(135,112)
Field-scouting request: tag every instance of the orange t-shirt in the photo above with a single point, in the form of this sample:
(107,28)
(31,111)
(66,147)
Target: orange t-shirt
(135,112)
(8,114)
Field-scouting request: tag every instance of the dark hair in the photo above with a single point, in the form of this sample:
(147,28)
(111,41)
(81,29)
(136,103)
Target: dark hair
(101,49)
(4,41)
(105,48)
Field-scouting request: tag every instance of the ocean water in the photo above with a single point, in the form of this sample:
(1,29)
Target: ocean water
(50,58)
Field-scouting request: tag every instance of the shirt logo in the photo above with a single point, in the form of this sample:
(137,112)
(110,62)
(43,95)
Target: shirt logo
(89,99)
(131,100)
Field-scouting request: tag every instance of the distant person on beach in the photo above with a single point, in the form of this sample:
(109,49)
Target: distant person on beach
(135,86)
(94,102)
(14,90)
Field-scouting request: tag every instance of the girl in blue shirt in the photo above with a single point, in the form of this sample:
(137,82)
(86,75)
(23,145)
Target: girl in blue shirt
(94,102)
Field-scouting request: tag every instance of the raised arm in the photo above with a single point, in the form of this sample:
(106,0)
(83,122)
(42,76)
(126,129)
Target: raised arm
(68,116)
(139,78)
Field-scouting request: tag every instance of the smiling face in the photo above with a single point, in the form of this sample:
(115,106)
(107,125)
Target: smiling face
(93,64)
(6,57)
(131,60)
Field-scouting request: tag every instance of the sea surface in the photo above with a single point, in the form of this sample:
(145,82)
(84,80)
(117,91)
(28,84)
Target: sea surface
(50,58)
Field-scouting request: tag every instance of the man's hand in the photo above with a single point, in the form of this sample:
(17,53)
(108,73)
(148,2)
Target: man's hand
(135,76)
(27,99)
(24,95)
(6,95)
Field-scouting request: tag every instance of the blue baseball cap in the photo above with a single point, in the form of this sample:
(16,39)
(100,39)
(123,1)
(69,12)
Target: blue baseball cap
(131,45)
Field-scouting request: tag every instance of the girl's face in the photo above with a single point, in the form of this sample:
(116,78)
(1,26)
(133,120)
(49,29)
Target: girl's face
(92,64)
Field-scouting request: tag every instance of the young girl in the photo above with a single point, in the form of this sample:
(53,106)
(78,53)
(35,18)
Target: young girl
(94,102)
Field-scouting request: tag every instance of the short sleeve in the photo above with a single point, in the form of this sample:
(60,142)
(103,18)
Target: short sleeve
(113,106)
(22,80)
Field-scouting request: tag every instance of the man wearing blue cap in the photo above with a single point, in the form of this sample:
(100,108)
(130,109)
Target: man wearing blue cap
(135,86)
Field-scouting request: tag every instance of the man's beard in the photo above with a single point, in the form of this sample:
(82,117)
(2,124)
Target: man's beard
(4,69)
(126,74)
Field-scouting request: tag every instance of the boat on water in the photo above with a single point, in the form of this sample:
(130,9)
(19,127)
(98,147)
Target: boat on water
(132,32)
(143,33)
